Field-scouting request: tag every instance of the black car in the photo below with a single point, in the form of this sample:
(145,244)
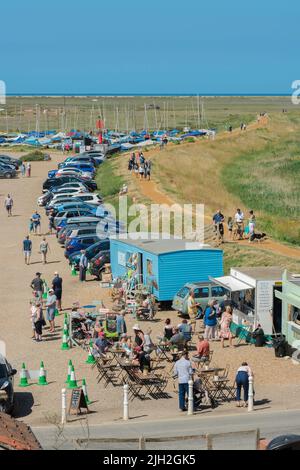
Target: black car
(97,263)
(55,182)
(6,386)
(7,172)
(11,161)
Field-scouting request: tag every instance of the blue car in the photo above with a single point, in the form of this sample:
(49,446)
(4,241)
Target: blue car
(80,243)
(85,167)
(91,251)
(75,205)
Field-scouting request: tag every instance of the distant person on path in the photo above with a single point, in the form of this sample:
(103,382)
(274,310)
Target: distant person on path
(239,220)
(183,371)
(242,381)
(83,264)
(37,284)
(251,223)
(22,169)
(36,218)
(218,220)
(28,170)
(57,287)
(31,226)
(8,203)
(44,248)
(51,307)
(210,320)
(27,248)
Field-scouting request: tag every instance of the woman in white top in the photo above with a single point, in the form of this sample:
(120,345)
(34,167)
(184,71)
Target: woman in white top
(242,380)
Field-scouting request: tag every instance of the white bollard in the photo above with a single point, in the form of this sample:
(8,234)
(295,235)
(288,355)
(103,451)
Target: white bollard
(190,399)
(250,394)
(125,403)
(63,406)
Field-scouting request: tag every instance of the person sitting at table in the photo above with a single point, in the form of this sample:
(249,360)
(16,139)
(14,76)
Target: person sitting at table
(148,344)
(101,345)
(125,343)
(178,340)
(202,350)
(139,339)
(186,329)
(168,330)
(141,359)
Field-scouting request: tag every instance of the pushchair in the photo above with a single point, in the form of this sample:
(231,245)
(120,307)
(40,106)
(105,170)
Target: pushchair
(201,396)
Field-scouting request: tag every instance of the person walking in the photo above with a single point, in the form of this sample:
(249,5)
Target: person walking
(51,307)
(218,220)
(242,381)
(27,248)
(8,204)
(36,218)
(121,324)
(83,264)
(51,222)
(210,320)
(37,284)
(22,169)
(44,248)
(57,287)
(183,371)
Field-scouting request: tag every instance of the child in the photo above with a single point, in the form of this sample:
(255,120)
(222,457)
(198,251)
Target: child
(230,226)
(31,226)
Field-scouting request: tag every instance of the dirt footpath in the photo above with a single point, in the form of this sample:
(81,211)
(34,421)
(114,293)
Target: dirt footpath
(37,405)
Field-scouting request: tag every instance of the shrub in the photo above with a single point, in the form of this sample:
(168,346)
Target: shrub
(34,156)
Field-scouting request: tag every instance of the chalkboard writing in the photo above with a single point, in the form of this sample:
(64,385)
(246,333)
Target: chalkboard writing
(78,401)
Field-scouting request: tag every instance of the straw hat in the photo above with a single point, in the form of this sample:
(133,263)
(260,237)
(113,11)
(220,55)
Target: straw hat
(136,327)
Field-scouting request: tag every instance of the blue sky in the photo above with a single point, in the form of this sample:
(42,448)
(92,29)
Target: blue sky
(159,46)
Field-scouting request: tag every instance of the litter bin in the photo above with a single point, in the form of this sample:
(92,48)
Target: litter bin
(280,346)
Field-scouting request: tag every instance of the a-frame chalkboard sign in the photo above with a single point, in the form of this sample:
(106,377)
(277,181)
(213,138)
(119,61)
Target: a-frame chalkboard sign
(77,401)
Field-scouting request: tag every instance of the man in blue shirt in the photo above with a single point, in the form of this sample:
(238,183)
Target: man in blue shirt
(27,247)
(36,218)
(218,220)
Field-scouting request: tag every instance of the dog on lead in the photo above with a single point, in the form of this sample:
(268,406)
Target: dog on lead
(258,237)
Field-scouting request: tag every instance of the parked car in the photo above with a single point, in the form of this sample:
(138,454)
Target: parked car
(91,251)
(70,170)
(204,292)
(56,182)
(14,161)
(79,220)
(94,199)
(77,159)
(96,265)
(7,173)
(44,199)
(7,166)
(86,167)
(65,231)
(73,185)
(55,204)
(80,243)
(68,214)
(14,164)
(6,385)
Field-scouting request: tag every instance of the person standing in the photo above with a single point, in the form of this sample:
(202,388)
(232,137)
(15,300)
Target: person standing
(83,264)
(210,320)
(51,307)
(27,248)
(39,321)
(37,284)
(183,371)
(36,218)
(225,323)
(218,220)
(239,220)
(44,248)
(8,203)
(57,287)
(28,170)
(121,324)
(242,381)
(51,222)
(22,169)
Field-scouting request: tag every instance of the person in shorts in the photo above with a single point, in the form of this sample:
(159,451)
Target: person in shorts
(27,247)
(51,308)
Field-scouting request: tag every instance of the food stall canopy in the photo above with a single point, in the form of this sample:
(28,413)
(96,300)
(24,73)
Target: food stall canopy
(231,283)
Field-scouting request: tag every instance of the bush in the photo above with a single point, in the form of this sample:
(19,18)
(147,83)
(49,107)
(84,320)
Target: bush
(34,156)
(190,139)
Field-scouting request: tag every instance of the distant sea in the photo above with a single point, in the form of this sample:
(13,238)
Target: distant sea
(145,94)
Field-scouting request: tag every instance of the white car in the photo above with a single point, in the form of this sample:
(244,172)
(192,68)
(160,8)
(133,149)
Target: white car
(58,196)
(90,198)
(72,171)
(73,185)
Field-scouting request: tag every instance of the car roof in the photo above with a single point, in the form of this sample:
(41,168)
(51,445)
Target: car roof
(83,219)
(79,237)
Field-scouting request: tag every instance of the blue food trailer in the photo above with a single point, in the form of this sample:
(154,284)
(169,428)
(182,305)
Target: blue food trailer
(166,265)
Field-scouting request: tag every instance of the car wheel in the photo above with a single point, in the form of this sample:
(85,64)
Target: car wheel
(8,175)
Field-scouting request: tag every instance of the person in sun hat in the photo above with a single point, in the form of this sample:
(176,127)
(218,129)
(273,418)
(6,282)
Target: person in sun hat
(51,307)
(57,287)
(139,339)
